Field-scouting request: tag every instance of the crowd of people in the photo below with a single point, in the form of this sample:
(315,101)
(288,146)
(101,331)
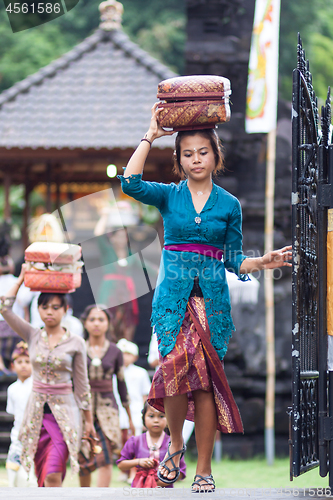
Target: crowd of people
(69,375)
(72,411)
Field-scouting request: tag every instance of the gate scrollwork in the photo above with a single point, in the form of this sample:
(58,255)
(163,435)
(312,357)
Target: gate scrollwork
(311,139)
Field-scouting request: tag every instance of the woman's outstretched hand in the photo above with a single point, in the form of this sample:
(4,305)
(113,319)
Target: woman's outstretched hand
(155,130)
(271,260)
(277,258)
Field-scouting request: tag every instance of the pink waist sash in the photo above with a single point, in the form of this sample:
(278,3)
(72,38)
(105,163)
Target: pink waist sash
(101,385)
(51,389)
(206,250)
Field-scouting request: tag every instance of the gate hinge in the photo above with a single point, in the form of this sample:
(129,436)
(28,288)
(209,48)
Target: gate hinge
(328,428)
(325,195)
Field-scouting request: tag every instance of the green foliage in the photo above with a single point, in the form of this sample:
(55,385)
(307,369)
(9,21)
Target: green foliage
(144,14)
(165,42)
(16,201)
(313,19)
(321,49)
(23,53)
(80,22)
(17,205)
(321,55)
(158,29)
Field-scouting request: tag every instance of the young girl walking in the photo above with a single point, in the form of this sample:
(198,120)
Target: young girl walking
(191,306)
(51,428)
(104,360)
(147,450)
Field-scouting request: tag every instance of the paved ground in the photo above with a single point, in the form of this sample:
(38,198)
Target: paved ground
(178,493)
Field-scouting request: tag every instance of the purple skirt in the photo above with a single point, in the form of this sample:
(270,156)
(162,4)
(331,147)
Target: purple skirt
(52,452)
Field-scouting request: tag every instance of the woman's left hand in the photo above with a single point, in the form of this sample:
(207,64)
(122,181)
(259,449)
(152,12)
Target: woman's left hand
(89,430)
(277,258)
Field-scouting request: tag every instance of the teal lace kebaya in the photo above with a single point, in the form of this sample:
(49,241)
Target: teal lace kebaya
(219,224)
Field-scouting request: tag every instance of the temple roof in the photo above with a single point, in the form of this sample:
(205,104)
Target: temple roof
(98,95)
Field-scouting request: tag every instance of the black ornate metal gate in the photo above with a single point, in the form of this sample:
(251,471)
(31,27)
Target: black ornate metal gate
(311,197)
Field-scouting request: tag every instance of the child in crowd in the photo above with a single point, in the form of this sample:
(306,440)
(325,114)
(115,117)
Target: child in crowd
(146,451)
(17,398)
(138,386)
(104,360)
(137,382)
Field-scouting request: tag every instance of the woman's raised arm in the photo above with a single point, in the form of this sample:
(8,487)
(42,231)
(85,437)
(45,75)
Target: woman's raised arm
(19,325)
(138,158)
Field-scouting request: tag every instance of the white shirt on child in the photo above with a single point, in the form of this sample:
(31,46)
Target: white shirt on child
(138,385)
(17,397)
(153,353)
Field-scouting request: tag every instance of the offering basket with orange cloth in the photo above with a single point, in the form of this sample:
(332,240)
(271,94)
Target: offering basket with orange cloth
(53,267)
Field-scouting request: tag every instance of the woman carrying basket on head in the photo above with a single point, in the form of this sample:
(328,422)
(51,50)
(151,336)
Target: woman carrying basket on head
(191,307)
(51,427)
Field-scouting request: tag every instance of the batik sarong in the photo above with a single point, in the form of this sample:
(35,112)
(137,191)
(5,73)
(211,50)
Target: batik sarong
(192,365)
